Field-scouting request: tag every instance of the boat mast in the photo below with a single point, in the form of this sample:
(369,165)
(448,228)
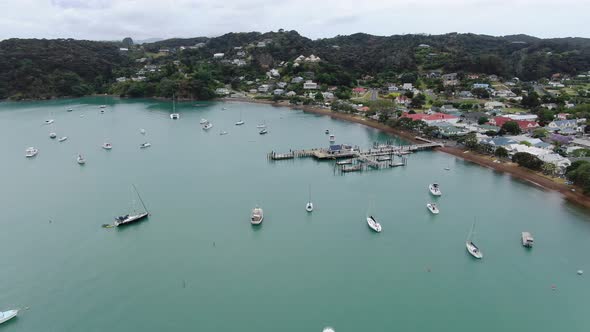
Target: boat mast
(310,193)
(141,200)
(173,104)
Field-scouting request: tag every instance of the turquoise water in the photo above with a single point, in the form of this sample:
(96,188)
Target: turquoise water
(197,264)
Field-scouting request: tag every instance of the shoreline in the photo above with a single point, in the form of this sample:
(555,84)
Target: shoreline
(511,169)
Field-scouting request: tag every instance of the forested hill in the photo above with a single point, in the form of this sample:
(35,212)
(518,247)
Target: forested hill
(40,68)
(32,68)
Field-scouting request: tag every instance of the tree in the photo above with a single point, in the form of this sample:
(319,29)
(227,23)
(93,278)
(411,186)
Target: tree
(501,152)
(527,160)
(531,100)
(482,120)
(470,141)
(540,133)
(511,127)
(580,153)
(579,174)
(549,168)
(418,100)
(127,42)
(525,143)
(545,116)
(319,96)
(481,93)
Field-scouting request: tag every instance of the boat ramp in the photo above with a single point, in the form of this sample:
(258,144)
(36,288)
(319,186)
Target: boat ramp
(354,159)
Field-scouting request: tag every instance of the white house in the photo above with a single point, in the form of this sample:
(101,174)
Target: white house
(218,55)
(222,91)
(282,85)
(291,94)
(309,85)
(328,95)
(297,79)
(264,88)
(278,92)
(407,86)
(522,117)
(490,105)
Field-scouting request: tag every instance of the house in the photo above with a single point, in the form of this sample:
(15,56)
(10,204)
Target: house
(123,49)
(525,117)
(138,78)
(359,91)
(282,85)
(241,54)
(481,86)
(392,88)
(432,118)
(424,46)
(556,85)
(493,78)
(309,85)
(253,91)
(490,105)
(465,94)
(450,79)
(473,76)
(403,100)
(297,80)
(496,142)
(218,55)
(570,127)
(222,91)
(446,129)
(273,73)
(407,86)
(239,62)
(553,158)
(278,92)
(363,109)
(291,94)
(562,116)
(164,51)
(328,95)
(312,59)
(121,79)
(549,106)
(261,44)
(524,125)
(264,88)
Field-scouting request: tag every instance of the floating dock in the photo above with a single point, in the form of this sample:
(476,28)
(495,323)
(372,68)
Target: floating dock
(354,159)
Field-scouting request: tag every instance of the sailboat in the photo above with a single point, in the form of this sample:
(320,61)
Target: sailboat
(7,315)
(174,115)
(241,122)
(81,160)
(373,224)
(309,205)
(130,218)
(471,247)
(207,126)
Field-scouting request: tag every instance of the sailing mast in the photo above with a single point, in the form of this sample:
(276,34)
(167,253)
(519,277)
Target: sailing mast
(141,200)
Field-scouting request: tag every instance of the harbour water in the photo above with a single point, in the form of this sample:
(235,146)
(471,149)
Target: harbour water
(197,264)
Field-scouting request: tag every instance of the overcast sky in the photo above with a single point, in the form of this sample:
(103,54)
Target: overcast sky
(141,19)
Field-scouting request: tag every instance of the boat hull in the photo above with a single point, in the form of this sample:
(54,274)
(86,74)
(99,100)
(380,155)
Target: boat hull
(434,190)
(7,315)
(473,250)
(309,207)
(131,219)
(373,224)
(432,209)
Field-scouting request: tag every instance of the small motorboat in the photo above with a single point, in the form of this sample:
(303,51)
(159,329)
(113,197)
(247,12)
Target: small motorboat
(7,315)
(344,162)
(207,126)
(101,111)
(433,208)
(69,110)
(52,135)
(81,160)
(263,131)
(203,121)
(239,123)
(435,189)
(63,138)
(107,146)
(257,216)
(50,121)
(327,132)
(527,239)
(383,158)
(31,152)
(373,224)
(174,116)
(224,109)
(309,207)
(223,133)
(142,131)
(102,106)
(145,145)
(332,138)
(447,168)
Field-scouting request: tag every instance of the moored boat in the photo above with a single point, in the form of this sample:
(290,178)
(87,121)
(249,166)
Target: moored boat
(50,121)
(327,132)
(80,160)
(31,152)
(174,115)
(103,106)
(432,208)
(130,218)
(309,205)
(527,239)
(107,146)
(145,145)
(257,216)
(142,131)
(435,189)
(383,158)
(470,245)
(7,315)
(207,126)
(63,138)
(203,121)
(373,224)
(223,132)
(263,131)
(332,138)
(344,162)
(52,135)
(241,122)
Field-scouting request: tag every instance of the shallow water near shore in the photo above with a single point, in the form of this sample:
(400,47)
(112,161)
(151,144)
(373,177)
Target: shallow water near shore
(198,264)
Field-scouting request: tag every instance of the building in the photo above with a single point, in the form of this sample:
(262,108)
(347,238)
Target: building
(524,125)
(218,55)
(309,85)
(264,88)
(297,80)
(481,86)
(490,105)
(278,92)
(407,86)
(291,94)
(121,79)
(432,118)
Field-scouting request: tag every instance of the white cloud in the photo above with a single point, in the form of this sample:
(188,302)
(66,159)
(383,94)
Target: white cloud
(115,19)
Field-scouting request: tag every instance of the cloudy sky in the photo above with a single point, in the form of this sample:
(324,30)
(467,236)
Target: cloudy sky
(141,19)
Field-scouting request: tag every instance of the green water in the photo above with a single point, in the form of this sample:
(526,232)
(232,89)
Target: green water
(198,265)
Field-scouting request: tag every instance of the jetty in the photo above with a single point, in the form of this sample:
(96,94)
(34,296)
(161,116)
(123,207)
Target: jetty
(354,159)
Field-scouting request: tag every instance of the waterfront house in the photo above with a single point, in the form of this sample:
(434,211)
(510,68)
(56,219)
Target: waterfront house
(291,94)
(561,163)
(222,91)
(278,92)
(524,125)
(499,141)
(328,95)
(297,80)
(264,88)
(565,126)
(407,86)
(309,85)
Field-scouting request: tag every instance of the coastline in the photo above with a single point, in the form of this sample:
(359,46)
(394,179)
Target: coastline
(510,168)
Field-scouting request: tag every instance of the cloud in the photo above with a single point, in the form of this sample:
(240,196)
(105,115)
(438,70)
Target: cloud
(115,19)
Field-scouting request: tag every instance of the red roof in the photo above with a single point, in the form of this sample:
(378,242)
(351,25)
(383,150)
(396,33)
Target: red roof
(429,117)
(359,90)
(523,124)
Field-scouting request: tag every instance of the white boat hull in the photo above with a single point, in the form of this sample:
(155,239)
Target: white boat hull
(309,207)
(257,216)
(61,139)
(373,224)
(203,121)
(7,315)
(145,145)
(432,208)
(435,191)
(130,219)
(239,123)
(174,116)
(473,250)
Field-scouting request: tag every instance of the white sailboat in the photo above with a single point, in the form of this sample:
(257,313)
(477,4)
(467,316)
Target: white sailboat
(31,152)
(373,224)
(80,160)
(257,216)
(52,135)
(432,208)
(309,205)
(130,218)
(471,247)
(63,138)
(207,126)
(145,145)
(174,115)
(241,122)
(223,132)
(434,189)
(203,121)
(107,146)
(7,315)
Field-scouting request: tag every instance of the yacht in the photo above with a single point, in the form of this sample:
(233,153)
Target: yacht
(174,115)
(471,247)
(52,135)
(7,315)
(203,121)
(263,131)
(145,145)
(435,189)
(103,106)
(69,110)
(344,162)
(107,146)
(207,126)
(223,133)
(50,121)
(241,122)
(31,152)
(309,205)
(527,239)
(384,158)
(373,224)
(332,138)
(433,208)
(257,216)
(130,218)
(81,160)
(63,138)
